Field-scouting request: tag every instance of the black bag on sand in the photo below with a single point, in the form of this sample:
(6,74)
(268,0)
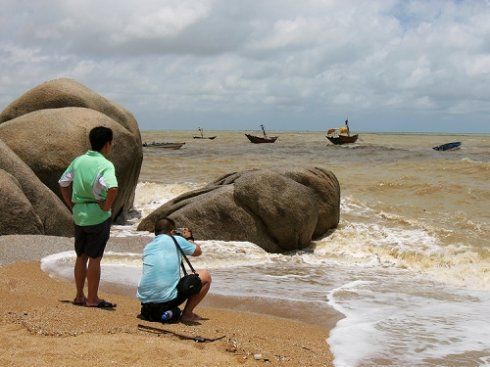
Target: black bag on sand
(189,284)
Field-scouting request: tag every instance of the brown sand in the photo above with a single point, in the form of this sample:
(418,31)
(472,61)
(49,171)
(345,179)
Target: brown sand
(40,327)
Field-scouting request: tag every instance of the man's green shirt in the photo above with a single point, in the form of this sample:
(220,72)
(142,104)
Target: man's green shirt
(91,175)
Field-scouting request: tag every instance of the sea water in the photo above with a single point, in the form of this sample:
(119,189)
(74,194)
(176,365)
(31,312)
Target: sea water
(408,265)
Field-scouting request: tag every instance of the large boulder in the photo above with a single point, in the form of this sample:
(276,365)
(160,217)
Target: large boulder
(48,140)
(63,92)
(17,213)
(279,210)
(27,205)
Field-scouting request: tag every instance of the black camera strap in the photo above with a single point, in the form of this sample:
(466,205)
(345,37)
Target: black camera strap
(185,257)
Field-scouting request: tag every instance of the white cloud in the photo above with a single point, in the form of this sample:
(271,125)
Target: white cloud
(232,58)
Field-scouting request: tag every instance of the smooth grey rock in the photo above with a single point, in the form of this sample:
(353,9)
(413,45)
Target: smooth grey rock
(279,210)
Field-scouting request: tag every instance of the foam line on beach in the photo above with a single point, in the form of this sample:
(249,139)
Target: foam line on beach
(387,320)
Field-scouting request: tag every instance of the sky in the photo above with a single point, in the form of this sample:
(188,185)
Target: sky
(387,66)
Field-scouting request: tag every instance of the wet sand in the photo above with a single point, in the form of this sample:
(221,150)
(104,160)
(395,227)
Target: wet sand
(39,325)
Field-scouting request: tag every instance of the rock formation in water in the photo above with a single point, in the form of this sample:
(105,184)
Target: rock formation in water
(42,132)
(279,210)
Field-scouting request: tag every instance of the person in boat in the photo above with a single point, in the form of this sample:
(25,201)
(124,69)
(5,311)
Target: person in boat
(89,188)
(347,127)
(157,289)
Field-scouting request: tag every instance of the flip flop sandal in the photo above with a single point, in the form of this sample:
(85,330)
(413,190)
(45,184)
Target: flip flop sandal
(104,304)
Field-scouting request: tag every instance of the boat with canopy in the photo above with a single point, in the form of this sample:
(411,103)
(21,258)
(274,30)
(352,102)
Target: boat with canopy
(341,135)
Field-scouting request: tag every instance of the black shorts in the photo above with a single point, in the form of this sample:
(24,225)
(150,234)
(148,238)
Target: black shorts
(91,240)
(153,311)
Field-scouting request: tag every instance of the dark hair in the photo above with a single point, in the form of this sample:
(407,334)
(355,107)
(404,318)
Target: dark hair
(99,136)
(164,225)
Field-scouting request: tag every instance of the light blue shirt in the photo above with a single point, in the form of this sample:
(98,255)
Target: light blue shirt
(161,269)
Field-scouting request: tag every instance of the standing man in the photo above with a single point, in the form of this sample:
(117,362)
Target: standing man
(89,188)
(157,290)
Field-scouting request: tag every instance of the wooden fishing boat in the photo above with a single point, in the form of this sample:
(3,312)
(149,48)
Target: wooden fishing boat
(448,146)
(258,139)
(261,139)
(341,135)
(171,146)
(343,139)
(202,135)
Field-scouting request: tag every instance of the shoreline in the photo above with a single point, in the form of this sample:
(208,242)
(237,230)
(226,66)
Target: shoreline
(304,312)
(33,304)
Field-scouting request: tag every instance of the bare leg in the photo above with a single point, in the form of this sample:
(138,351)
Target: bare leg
(93,280)
(193,301)
(80,272)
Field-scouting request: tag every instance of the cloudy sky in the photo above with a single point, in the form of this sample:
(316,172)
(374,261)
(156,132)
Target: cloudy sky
(290,64)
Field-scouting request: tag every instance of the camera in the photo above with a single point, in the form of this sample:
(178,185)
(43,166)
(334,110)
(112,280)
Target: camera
(179,232)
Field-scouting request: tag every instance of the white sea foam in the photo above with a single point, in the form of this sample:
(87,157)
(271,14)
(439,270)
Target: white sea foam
(128,231)
(406,320)
(149,195)
(118,268)
(413,245)
(60,264)
(125,267)
(484,361)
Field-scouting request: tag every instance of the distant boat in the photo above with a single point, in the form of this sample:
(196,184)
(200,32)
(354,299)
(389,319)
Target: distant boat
(171,146)
(261,139)
(448,146)
(343,139)
(341,135)
(202,135)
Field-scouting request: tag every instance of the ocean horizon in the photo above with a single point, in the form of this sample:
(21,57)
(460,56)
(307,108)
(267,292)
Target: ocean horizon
(441,133)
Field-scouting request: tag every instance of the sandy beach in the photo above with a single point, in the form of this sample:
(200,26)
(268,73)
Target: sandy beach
(40,327)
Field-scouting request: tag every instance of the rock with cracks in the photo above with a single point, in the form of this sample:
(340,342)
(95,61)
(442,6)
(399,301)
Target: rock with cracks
(279,210)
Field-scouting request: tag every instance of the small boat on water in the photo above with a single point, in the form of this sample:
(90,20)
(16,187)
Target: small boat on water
(261,139)
(448,146)
(202,135)
(343,139)
(171,146)
(341,135)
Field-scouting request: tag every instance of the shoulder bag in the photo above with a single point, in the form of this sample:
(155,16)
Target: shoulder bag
(189,284)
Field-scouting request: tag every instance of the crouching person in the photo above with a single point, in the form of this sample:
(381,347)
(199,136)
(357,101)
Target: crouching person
(157,290)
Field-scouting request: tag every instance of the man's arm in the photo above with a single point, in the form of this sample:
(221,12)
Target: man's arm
(66,195)
(106,204)
(187,233)
(198,250)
